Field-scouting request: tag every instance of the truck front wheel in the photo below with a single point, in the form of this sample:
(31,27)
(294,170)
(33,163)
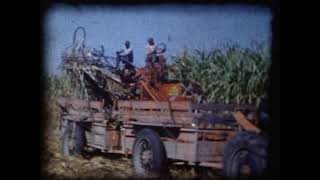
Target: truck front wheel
(149,157)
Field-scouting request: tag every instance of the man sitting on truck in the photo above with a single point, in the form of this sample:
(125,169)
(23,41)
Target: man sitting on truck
(126,57)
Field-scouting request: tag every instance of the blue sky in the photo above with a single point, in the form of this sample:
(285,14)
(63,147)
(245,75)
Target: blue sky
(179,26)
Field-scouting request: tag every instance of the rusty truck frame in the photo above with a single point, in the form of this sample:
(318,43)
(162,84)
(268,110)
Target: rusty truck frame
(153,132)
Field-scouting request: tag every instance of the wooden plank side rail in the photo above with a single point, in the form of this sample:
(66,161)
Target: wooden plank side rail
(175,112)
(223,107)
(137,104)
(79,103)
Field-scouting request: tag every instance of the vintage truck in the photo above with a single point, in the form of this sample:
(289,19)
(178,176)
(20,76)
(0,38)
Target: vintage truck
(213,135)
(157,123)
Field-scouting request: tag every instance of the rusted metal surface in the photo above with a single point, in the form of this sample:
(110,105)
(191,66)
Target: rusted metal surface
(208,151)
(245,123)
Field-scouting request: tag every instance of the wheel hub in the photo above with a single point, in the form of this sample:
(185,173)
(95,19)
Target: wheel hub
(245,170)
(146,157)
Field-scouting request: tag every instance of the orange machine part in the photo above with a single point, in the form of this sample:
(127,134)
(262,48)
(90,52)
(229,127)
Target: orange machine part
(173,89)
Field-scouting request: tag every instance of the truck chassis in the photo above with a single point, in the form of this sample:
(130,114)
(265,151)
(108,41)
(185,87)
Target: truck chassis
(155,132)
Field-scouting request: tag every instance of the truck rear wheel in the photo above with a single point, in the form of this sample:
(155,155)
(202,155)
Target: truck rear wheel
(149,157)
(245,156)
(73,138)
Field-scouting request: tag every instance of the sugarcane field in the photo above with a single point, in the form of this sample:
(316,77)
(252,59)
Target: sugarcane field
(155,92)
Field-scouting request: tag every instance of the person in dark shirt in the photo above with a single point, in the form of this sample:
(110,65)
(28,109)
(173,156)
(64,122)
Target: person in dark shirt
(126,56)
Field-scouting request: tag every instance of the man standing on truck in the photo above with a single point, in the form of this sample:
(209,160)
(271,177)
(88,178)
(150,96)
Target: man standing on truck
(151,54)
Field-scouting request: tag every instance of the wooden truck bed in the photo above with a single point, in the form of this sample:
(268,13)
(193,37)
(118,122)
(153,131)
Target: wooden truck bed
(195,142)
(182,126)
(183,114)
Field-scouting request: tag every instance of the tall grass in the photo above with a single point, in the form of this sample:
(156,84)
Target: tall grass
(231,74)
(57,86)
(62,86)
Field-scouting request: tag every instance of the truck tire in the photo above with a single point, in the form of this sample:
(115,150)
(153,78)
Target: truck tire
(245,156)
(73,142)
(149,157)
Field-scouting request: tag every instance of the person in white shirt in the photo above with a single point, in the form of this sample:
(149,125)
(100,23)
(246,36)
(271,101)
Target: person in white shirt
(151,54)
